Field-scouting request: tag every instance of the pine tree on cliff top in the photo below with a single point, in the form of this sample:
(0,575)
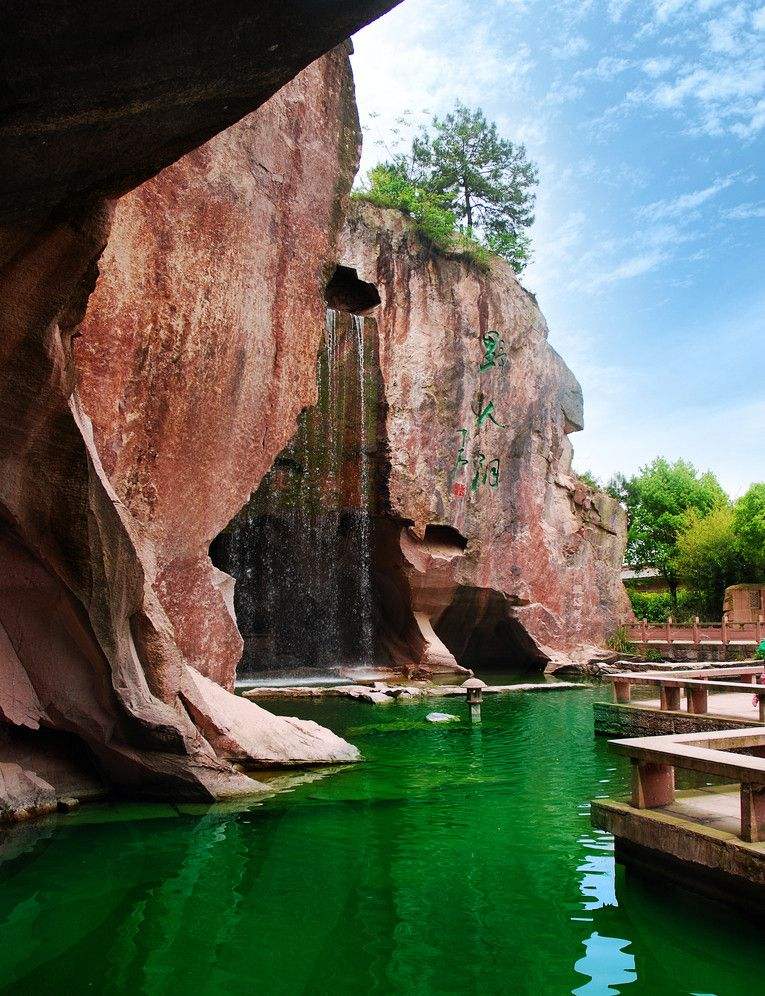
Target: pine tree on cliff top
(488,180)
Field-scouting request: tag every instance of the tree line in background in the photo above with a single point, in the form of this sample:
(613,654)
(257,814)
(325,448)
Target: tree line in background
(469,191)
(685,526)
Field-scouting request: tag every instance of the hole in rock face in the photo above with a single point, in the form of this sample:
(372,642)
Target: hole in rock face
(478,627)
(347,292)
(444,537)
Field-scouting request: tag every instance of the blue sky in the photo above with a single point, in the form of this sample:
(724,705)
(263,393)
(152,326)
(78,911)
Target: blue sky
(647,121)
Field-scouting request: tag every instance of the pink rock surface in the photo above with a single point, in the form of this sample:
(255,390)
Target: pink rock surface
(198,348)
(192,364)
(485,452)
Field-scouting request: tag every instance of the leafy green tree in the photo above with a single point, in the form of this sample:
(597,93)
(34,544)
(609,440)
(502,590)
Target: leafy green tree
(658,499)
(484,182)
(708,557)
(749,529)
(488,179)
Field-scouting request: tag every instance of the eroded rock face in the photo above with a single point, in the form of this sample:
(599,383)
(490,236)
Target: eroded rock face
(507,551)
(193,363)
(198,348)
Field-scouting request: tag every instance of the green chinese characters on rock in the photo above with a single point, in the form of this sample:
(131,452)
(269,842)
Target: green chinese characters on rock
(484,473)
(494,354)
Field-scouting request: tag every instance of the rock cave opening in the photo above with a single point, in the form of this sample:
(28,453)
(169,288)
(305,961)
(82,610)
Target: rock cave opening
(480,629)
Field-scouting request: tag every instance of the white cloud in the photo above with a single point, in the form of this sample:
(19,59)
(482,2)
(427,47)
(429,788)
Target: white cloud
(684,203)
(741,212)
(606,68)
(634,266)
(572,47)
(758,19)
(657,66)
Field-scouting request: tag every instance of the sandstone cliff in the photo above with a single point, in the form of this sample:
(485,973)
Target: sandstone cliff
(507,553)
(431,487)
(193,363)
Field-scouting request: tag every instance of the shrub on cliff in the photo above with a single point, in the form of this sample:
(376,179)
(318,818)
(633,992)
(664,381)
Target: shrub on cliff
(389,186)
(460,168)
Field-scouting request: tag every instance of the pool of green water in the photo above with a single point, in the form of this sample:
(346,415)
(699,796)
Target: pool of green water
(457,859)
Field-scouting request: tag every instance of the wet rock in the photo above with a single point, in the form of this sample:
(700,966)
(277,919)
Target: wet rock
(442,717)
(362,694)
(242,731)
(23,794)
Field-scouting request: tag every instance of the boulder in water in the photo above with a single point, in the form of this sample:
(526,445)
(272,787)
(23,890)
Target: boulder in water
(442,717)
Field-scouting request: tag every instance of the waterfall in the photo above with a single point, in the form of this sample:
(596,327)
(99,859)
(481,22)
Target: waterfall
(301,550)
(365,597)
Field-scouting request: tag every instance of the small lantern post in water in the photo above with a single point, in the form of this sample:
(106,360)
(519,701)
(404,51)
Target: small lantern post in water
(474,693)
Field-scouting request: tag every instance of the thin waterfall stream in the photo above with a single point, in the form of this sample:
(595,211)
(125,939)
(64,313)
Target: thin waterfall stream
(301,550)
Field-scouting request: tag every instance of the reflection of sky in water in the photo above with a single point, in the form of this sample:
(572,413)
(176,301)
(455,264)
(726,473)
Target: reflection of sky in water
(607,965)
(605,962)
(597,884)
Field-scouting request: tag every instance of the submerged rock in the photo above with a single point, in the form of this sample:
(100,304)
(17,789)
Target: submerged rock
(442,717)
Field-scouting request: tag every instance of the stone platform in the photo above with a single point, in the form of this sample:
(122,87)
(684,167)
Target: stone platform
(379,693)
(727,711)
(692,841)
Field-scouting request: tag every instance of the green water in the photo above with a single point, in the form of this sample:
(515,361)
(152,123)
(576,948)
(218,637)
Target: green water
(457,859)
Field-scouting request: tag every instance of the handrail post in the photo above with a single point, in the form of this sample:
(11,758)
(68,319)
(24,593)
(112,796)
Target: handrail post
(696,630)
(644,628)
(669,631)
(724,630)
(758,630)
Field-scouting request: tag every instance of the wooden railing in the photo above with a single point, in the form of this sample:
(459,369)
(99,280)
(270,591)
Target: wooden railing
(696,632)
(697,688)
(654,760)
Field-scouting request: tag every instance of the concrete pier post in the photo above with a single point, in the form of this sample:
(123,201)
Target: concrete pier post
(752,813)
(698,699)
(622,691)
(653,785)
(670,697)
(696,630)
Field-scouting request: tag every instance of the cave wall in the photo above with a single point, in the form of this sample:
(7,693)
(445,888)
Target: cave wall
(478,439)
(106,599)
(197,351)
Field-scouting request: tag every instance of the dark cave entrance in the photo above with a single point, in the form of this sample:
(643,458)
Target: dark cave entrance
(480,630)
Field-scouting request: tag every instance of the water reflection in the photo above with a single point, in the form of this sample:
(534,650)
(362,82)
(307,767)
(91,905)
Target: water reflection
(607,965)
